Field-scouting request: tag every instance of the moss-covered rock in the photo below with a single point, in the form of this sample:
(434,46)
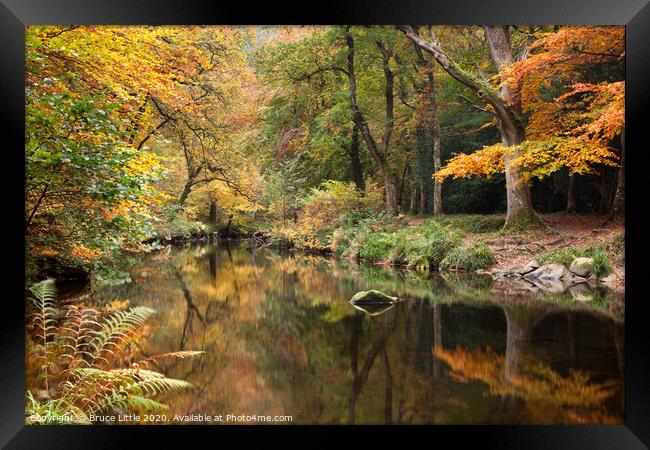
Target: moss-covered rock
(372,297)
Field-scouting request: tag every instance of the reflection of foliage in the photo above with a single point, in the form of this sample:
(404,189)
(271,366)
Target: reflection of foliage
(549,397)
(281,340)
(74,348)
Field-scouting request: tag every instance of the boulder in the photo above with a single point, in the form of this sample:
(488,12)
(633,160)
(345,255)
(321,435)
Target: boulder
(519,269)
(581,266)
(372,297)
(547,272)
(581,292)
(533,263)
(572,279)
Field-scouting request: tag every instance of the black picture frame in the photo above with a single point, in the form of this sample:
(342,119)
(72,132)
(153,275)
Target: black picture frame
(16,14)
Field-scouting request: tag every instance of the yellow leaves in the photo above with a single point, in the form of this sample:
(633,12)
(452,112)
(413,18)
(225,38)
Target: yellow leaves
(84,253)
(533,159)
(484,163)
(160,61)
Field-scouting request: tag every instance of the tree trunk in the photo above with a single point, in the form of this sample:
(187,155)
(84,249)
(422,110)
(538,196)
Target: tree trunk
(212,217)
(413,208)
(358,119)
(424,207)
(506,107)
(435,130)
(571,195)
(357,168)
(435,205)
(618,205)
(186,192)
(520,207)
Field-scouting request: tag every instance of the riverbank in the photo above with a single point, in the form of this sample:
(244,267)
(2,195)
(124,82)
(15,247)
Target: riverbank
(471,243)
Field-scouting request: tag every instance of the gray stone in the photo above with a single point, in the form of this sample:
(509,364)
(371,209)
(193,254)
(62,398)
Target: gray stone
(581,266)
(547,272)
(519,269)
(533,263)
(581,292)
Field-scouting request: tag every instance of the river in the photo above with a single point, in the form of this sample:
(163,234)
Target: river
(280,339)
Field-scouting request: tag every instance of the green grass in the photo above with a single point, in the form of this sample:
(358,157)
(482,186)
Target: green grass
(601,264)
(423,247)
(377,246)
(472,223)
(470,257)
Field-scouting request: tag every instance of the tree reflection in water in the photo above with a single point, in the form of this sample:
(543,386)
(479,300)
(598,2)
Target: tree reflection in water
(280,338)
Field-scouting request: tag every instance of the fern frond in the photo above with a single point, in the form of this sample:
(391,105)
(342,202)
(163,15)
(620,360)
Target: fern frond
(116,329)
(170,355)
(43,322)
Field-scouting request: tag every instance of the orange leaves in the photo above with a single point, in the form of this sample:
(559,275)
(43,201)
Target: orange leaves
(533,159)
(559,53)
(605,110)
(548,396)
(571,129)
(162,61)
(484,163)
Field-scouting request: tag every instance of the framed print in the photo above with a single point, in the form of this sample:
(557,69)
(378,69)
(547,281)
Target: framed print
(386,218)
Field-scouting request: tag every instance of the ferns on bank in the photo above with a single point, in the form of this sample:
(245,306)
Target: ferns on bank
(75,348)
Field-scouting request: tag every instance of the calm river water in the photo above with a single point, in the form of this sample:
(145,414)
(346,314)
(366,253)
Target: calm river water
(281,339)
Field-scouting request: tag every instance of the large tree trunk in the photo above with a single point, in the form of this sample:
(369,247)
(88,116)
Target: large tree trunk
(618,205)
(506,107)
(377,155)
(520,207)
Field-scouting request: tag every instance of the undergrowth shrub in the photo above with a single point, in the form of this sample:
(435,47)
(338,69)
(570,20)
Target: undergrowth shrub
(333,205)
(177,224)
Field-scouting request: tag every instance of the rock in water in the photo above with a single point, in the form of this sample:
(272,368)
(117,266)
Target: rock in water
(581,266)
(372,297)
(547,272)
(519,269)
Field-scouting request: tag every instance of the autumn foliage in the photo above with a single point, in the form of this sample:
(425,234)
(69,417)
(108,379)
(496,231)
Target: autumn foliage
(571,122)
